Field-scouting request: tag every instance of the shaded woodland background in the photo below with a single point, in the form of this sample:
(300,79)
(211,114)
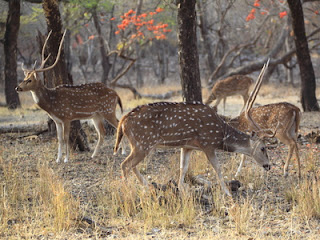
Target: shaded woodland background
(87,198)
(227,42)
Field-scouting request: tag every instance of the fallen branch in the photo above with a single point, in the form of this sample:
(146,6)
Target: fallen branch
(24,128)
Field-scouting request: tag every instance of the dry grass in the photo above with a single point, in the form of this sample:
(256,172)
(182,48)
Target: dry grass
(37,205)
(44,200)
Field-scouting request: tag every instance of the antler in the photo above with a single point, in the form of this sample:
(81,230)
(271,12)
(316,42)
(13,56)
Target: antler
(269,133)
(43,61)
(253,97)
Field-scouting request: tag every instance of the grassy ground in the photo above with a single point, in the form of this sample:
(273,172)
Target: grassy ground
(87,199)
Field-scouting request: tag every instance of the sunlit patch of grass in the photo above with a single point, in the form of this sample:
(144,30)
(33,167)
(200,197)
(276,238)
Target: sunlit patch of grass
(13,195)
(241,214)
(310,158)
(252,175)
(305,198)
(34,206)
(59,205)
(155,208)
(199,164)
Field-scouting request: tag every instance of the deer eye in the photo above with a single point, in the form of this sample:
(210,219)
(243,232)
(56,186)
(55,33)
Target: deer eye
(263,149)
(28,81)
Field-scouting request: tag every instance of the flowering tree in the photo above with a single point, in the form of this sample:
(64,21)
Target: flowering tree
(141,28)
(133,28)
(308,86)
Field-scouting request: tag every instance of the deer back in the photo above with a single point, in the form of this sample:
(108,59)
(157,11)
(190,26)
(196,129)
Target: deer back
(232,85)
(82,101)
(175,125)
(270,116)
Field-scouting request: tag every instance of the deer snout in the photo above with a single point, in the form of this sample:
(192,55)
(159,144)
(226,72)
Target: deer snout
(18,89)
(266,167)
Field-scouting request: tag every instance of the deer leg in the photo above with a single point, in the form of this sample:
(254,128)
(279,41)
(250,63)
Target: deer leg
(123,147)
(215,164)
(224,105)
(243,158)
(217,103)
(66,132)
(286,165)
(60,140)
(98,124)
(131,162)
(184,164)
(141,179)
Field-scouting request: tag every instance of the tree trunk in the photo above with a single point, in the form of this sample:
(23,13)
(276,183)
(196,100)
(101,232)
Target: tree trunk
(106,66)
(10,52)
(188,52)
(205,35)
(162,63)
(288,69)
(139,75)
(59,74)
(308,83)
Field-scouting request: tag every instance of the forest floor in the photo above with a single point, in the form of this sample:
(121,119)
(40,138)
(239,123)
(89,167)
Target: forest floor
(87,198)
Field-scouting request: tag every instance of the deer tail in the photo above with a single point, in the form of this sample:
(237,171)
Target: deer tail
(120,104)
(119,136)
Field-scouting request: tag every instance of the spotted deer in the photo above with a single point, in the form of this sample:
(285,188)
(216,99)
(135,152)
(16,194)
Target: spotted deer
(189,126)
(283,116)
(67,103)
(230,86)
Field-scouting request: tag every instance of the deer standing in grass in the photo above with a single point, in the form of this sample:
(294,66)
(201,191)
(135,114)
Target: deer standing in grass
(189,126)
(230,86)
(67,103)
(283,116)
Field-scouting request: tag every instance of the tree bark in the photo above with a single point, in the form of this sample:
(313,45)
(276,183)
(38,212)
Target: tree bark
(10,52)
(188,52)
(106,66)
(59,74)
(205,35)
(308,83)
(137,65)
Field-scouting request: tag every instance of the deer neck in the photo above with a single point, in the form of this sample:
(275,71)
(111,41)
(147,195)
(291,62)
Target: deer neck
(236,141)
(41,96)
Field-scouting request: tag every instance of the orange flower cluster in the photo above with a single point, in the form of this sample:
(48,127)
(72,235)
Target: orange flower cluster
(283,14)
(142,24)
(256,5)
(251,15)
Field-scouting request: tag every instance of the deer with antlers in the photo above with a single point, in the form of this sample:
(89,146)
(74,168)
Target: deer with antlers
(283,116)
(230,86)
(189,126)
(67,103)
